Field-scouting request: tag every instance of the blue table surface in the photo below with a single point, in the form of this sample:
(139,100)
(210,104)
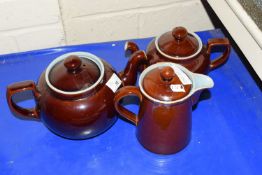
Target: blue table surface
(226,128)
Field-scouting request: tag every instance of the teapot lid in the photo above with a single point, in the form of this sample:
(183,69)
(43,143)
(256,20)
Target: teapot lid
(165,82)
(178,44)
(74,73)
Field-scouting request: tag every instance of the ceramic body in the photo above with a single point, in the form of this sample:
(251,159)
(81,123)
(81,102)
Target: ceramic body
(75,115)
(200,63)
(163,127)
(79,117)
(197,62)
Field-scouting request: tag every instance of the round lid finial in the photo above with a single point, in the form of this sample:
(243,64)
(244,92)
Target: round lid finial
(179,33)
(163,81)
(167,73)
(72,63)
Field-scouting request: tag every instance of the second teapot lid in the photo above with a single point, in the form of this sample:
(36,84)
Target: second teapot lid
(165,82)
(178,43)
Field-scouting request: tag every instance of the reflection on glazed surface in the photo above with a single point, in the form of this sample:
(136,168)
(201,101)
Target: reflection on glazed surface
(164,128)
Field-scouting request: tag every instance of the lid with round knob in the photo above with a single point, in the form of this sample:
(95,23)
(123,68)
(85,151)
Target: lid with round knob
(178,43)
(73,72)
(166,83)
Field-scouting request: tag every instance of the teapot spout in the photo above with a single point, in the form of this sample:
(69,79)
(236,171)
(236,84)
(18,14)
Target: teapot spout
(129,75)
(130,48)
(201,82)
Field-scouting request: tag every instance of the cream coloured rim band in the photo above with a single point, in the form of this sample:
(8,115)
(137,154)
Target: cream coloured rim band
(163,64)
(200,45)
(84,55)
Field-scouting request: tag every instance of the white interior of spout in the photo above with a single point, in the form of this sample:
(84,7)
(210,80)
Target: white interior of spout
(83,55)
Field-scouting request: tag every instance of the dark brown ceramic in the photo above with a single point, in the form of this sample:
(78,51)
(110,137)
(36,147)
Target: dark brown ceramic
(74,96)
(184,48)
(164,118)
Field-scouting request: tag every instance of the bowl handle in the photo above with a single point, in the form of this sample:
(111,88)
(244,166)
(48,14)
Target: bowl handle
(18,88)
(223,42)
(121,93)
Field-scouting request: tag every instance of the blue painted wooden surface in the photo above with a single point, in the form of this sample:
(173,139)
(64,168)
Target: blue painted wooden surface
(226,133)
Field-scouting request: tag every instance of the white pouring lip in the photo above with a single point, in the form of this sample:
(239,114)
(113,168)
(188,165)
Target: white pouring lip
(84,55)
(200,45)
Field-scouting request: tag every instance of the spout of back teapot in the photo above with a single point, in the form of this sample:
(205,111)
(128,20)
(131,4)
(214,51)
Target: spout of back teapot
(130,48)
(129,74)
(201,82)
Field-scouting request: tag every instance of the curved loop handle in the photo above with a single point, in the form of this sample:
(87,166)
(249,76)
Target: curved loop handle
(224,42)
(18,88)
(123,92)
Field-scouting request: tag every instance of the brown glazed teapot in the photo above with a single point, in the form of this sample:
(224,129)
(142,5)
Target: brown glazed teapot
(184,48)
(74,96)
(164,118)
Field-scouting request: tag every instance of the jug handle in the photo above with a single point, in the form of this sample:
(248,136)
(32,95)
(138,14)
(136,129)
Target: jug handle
(18,88)
(224,56)
(124,92)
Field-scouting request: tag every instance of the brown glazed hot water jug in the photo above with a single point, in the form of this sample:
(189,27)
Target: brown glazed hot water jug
(164,118)
(74,96)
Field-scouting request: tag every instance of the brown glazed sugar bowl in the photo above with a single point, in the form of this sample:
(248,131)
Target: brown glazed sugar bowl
(74,95)
(163,123)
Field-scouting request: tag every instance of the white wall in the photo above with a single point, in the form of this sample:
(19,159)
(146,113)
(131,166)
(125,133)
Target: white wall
(106,20)
(35,24)
(29,24)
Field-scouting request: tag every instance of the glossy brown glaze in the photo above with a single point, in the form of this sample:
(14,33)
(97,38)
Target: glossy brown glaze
(78,118)
(201,63)
(69,117)
(179,43)
(129,75)
(163,121)
(74,74)
(198,64)
(15,88)
(131,47)
(157,84)
(161,128)
(74,115)
(222,58)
